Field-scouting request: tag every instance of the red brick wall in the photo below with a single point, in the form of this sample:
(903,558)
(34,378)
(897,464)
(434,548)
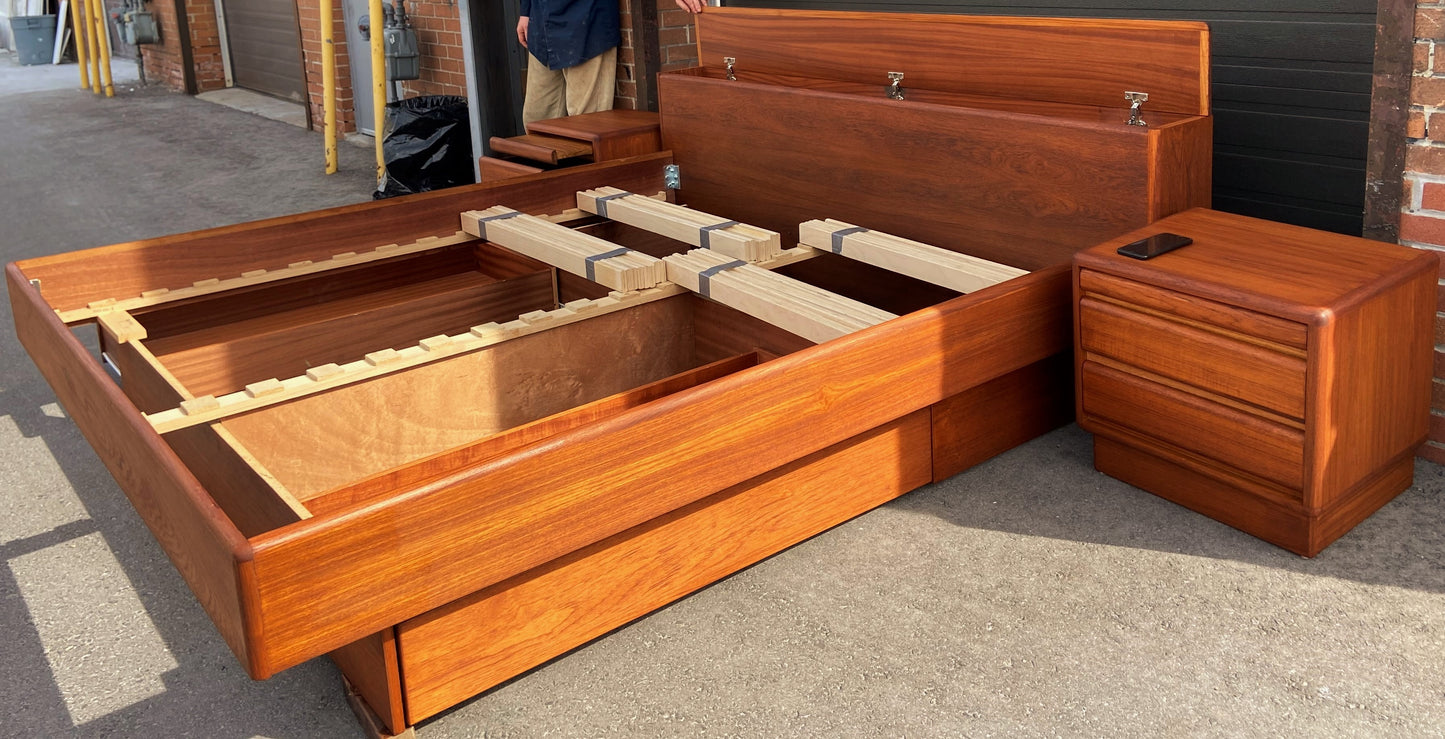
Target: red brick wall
(677,42)
(163,61)
(205,45)
(1422,222)
(439,38)
(308,13)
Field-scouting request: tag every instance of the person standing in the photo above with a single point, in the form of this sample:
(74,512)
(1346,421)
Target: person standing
(571,56)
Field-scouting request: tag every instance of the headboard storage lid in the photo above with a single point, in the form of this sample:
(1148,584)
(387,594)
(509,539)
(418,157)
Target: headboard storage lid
(1082,61)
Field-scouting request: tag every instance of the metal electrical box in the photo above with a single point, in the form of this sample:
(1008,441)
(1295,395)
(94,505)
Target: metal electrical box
(136,24)
(403,58)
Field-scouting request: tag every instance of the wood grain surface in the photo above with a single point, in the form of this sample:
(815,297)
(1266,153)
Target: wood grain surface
(451,460)
(459,650)
(1192,365)
(1062,60)
(226,359)
(371,667)
(205,547)
(429,545)
(399,418)
(956,178)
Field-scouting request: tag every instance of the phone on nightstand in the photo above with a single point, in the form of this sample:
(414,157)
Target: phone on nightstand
(1154,245)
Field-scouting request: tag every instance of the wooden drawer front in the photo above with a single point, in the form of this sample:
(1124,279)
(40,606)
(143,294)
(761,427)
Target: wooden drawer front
(472,644)
(1193,308)
(1264,377)
(1234,438)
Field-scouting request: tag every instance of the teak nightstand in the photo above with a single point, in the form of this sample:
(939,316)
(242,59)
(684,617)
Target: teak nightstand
(1272,377)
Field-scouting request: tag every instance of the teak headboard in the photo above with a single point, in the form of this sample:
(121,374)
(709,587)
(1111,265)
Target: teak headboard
(1012,142)
(1081,61)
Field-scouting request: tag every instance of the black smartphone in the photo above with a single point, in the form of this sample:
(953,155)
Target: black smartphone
(1154,245)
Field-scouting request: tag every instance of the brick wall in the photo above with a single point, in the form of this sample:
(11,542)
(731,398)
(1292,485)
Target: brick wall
(677,42)
(439,38)
(164,64)
(205,45)
(308,15)
(1422,222)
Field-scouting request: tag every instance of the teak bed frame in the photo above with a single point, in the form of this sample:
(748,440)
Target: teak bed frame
(363,432)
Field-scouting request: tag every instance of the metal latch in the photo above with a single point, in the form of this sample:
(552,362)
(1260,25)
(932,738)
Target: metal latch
(895,86)
(672,176)
(35,284)
(1136,104)
(730,61)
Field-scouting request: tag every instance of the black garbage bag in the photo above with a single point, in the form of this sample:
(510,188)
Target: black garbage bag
(427,146)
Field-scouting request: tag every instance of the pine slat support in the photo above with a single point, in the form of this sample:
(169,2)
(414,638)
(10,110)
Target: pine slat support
(257,277)
(584,255)
(681,223)
(920,261)
(206,409)
(810,312)
(121,327)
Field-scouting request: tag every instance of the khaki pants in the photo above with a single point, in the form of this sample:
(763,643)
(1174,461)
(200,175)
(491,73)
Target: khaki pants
(585,88)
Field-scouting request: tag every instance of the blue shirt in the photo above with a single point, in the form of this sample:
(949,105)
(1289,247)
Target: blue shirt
(565,33)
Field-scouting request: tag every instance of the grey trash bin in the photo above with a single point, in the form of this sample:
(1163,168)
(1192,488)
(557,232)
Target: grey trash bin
(34,37)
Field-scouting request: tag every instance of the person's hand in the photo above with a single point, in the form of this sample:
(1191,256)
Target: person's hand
(524,21)
(691,6)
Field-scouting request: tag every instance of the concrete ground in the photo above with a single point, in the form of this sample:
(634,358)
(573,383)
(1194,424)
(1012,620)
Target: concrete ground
(1030,596)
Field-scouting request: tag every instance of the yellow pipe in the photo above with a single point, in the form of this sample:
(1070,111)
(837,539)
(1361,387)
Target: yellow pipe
(101,28)
(328,81)
(378,83)
(78,28)
(94,53)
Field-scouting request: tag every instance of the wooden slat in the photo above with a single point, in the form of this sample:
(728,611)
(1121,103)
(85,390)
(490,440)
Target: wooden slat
(253,499)
(205,409)
(798,307)
(566,249)
(702,230)
(1061,60)
(121,327)
(920,261)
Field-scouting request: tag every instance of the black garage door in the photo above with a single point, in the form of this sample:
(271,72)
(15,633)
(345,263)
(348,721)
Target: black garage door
(1291,93)
(265,44)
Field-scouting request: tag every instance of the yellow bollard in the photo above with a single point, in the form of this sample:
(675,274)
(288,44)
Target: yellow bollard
(93,53)
(328,81)
(378,82)
(102,34)
(78,27)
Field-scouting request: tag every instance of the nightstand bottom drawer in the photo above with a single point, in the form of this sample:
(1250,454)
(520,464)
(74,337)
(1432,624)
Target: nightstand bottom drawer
(1231,437)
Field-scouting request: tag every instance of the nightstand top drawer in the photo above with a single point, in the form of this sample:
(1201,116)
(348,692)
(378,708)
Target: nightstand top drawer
(1266,376)
(1281,270)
